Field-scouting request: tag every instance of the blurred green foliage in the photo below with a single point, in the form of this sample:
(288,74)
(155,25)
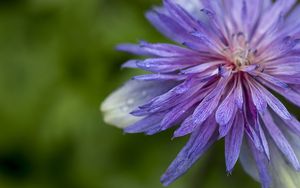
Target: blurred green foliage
(57,63)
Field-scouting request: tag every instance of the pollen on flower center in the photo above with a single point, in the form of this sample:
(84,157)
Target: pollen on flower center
(240,54)
(242,58)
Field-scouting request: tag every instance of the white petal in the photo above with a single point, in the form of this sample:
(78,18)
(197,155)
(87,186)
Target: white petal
(117,107)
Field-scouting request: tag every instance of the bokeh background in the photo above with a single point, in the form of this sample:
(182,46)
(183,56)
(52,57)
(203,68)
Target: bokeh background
(57,63)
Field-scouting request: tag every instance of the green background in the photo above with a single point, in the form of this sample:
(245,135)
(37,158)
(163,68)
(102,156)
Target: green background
(57,63)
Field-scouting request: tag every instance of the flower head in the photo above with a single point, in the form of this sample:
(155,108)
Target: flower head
(219,82)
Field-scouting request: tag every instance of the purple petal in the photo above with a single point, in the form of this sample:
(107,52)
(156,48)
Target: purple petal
(273,80)
(270,17)
(178,13)
(262,166)
(169,27)
(199,142)
(166,65)
(274,103)
(188,126)
(233,142)
(146,124)
(201,68)
(224,129)
(226,109)
(258,99)
(171,98)
(168,50)
(202,39)
(254,137)
(278,172)
(181,111)
(263,140)
(294,125)
(159,77)
(130,64)
(280,140)
(238,95)
(291,94)
(133,49)
(210,102)
(157,50)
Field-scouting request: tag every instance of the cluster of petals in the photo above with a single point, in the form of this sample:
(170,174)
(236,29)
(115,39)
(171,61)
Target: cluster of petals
(221,79)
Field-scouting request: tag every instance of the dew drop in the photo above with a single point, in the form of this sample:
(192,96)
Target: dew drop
(130,101)
(124,108)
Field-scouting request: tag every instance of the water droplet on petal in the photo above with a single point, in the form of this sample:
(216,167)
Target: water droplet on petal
(124,109)
(130,101)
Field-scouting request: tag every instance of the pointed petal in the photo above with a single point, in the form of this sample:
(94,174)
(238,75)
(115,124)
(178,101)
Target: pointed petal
(274,103)
(181,111)
(254,137)
(264,140)
(171,98)
(210,102)
(201,67)
(130,64)
(257,98)
(157,50)
(224,129)
(226,109)
(280,140)
(159,77)
(294,125)
(233,142)
(180,14)
(167,65)
(170,27)
(282,175)
(273,80)
(290,94)
(146,124)
(271,16)
(199,142)
(255,164)
(132,48)
(188,126)
(239,95)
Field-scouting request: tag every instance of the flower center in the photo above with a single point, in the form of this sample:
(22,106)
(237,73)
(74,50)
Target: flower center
(242,57)
(241,54)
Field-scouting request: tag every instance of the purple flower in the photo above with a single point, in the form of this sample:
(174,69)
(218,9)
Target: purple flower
(219,81)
